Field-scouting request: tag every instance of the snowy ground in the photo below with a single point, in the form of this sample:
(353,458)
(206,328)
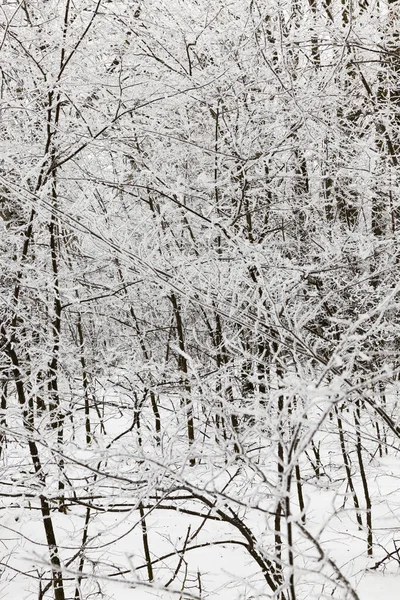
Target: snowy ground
(221,568)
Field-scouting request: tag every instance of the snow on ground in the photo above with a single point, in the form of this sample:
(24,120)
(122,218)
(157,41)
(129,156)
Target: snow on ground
(115,567)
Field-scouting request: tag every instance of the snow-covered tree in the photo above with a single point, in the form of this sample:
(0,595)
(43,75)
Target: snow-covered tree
(199,208)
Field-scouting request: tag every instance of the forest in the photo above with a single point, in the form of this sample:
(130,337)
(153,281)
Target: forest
(200,293)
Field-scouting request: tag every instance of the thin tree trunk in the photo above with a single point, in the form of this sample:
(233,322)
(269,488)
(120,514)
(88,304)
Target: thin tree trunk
(58,583)
(368,506)
(346,462)
(183,368)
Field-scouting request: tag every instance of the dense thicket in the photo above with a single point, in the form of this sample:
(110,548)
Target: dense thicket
(200,215)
